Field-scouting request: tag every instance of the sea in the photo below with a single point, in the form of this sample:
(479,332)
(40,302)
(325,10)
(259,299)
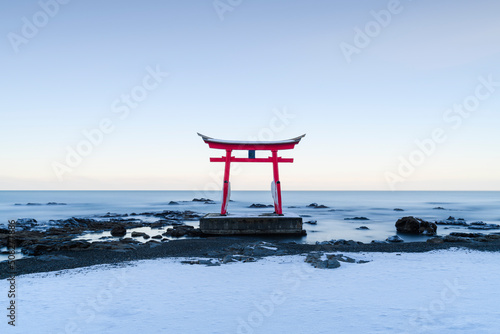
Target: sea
(331,223)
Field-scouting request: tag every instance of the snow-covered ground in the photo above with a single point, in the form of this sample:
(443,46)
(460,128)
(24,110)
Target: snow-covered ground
(453,291)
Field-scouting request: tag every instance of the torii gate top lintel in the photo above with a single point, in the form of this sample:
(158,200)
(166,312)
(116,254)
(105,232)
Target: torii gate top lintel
(222,144)
(251,147)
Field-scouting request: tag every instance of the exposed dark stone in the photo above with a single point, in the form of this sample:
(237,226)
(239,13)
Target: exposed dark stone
(173,203)
(184,230)
(202,200)
(341,258)
(317,206)
(398,209)
(362,228)
(118,231)
(258,205)
(466,235)
(55,203)
(452,221)
(332,263)
(356,218)
(483,226)
(438,208)
(451,238)
(435,240)
(312,257)
(136,234)
(23,224)
(414,225)
(395,238)
(311,222)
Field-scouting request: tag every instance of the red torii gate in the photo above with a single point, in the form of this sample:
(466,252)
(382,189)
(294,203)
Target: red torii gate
(251,147)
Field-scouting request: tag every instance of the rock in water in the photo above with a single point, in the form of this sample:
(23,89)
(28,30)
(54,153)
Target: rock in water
(118,231)
(258,205)
(395,238)
(414,225)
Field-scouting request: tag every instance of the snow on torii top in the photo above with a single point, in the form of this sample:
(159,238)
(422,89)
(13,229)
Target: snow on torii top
(286,144)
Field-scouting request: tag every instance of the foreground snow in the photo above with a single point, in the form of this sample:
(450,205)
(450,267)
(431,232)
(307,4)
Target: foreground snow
(453,291)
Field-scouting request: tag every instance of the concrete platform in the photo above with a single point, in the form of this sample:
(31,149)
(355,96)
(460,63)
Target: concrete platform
(267,223)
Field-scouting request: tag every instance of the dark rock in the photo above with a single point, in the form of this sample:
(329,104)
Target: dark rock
(202,200)
(258,205)
(395,238)
(311,222)
(173,203)
(398,209)
(55,203)
(23,224)
(341,258)
(157,236)
(312,257)
(227,259)
(320,264)
(414,225)
(317,206)
(184,230)
(118,231)
(33,203)
(209,263)
(356,218)
(452,221)
(438,208)
(435,240)
(49,258)
(136,234)
(332,263)
(466,235)
(483,226)
(451,238)
(362,228)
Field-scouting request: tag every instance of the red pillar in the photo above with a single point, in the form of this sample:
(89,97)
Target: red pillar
(225,187)
(278,208)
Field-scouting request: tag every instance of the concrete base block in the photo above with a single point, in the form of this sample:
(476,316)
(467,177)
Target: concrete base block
(216,224)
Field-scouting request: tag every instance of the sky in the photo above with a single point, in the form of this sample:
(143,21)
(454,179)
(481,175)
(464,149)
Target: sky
(392,95)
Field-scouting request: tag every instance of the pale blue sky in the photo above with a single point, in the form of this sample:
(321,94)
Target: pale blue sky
(230,78)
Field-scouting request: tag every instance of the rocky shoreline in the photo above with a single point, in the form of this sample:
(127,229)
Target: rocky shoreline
(221,250)
(61,247)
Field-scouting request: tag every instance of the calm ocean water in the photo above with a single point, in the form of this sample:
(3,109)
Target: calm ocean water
(377,206)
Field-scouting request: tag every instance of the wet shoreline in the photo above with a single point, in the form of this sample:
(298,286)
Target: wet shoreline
(218,248)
